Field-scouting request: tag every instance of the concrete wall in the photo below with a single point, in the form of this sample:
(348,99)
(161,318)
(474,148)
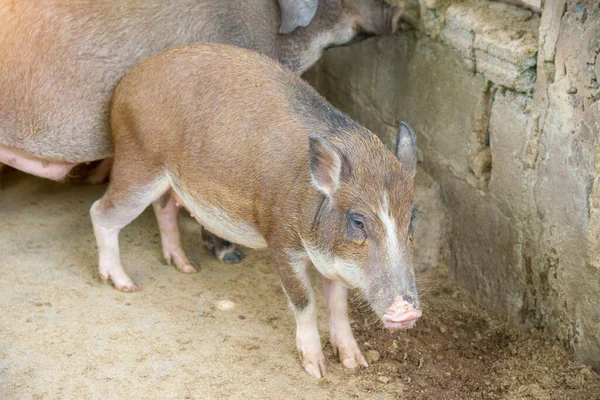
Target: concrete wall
(505,105)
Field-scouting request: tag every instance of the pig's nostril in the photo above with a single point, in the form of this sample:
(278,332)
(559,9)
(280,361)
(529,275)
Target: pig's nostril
(401,314)
(402,321)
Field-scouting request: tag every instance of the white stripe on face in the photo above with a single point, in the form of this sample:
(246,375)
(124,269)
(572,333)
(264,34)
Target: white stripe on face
(393,247)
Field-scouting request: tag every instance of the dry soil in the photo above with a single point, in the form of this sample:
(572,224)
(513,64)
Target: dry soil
(225,332)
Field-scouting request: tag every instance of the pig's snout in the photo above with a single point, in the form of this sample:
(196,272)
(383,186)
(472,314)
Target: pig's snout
(402,314)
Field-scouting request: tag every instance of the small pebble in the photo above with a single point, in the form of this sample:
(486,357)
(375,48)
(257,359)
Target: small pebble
(372,356)
(443,329)
(383,379)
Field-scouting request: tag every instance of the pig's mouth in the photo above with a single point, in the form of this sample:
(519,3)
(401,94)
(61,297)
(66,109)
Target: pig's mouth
(401,315)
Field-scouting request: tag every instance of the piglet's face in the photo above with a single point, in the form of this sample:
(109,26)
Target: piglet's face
(364,223)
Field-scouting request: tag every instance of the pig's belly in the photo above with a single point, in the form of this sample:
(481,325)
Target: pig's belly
(220,223)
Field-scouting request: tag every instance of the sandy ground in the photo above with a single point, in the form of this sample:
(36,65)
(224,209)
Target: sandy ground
(225,332)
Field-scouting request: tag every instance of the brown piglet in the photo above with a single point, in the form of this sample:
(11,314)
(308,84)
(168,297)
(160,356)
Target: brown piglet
(261,159)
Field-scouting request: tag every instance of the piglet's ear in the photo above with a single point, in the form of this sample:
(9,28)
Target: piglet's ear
(295,13)
(406,148)
(325,165)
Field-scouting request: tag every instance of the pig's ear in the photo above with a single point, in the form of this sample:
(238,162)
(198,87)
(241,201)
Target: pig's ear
(295,13)
(325,165)
(406,148)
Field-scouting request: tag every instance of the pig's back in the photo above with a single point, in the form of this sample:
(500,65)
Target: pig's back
(228,125)
(218,105)
(62,59)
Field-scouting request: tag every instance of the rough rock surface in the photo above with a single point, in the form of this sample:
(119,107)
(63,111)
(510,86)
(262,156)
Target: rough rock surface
(505,106)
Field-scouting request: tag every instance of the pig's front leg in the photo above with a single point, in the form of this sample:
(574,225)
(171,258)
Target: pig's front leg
(340,333)
(297,287)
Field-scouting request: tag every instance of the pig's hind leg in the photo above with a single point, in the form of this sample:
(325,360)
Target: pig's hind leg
(101,172)
(130,191)
(166,211)
(340,333)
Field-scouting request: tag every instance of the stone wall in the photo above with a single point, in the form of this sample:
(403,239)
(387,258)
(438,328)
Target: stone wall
(505,105)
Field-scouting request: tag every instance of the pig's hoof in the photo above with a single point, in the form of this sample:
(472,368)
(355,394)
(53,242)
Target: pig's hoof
(233,256)
(314,364)
(227,253)
(124,285)
(178,257)
(188,268)
(348,351)
(352,359)
(130,287)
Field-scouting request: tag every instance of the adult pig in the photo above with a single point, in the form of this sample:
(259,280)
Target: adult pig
(260,159)
(62,59)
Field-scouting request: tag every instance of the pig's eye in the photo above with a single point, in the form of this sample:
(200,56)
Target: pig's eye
(356,222)
(356,228)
